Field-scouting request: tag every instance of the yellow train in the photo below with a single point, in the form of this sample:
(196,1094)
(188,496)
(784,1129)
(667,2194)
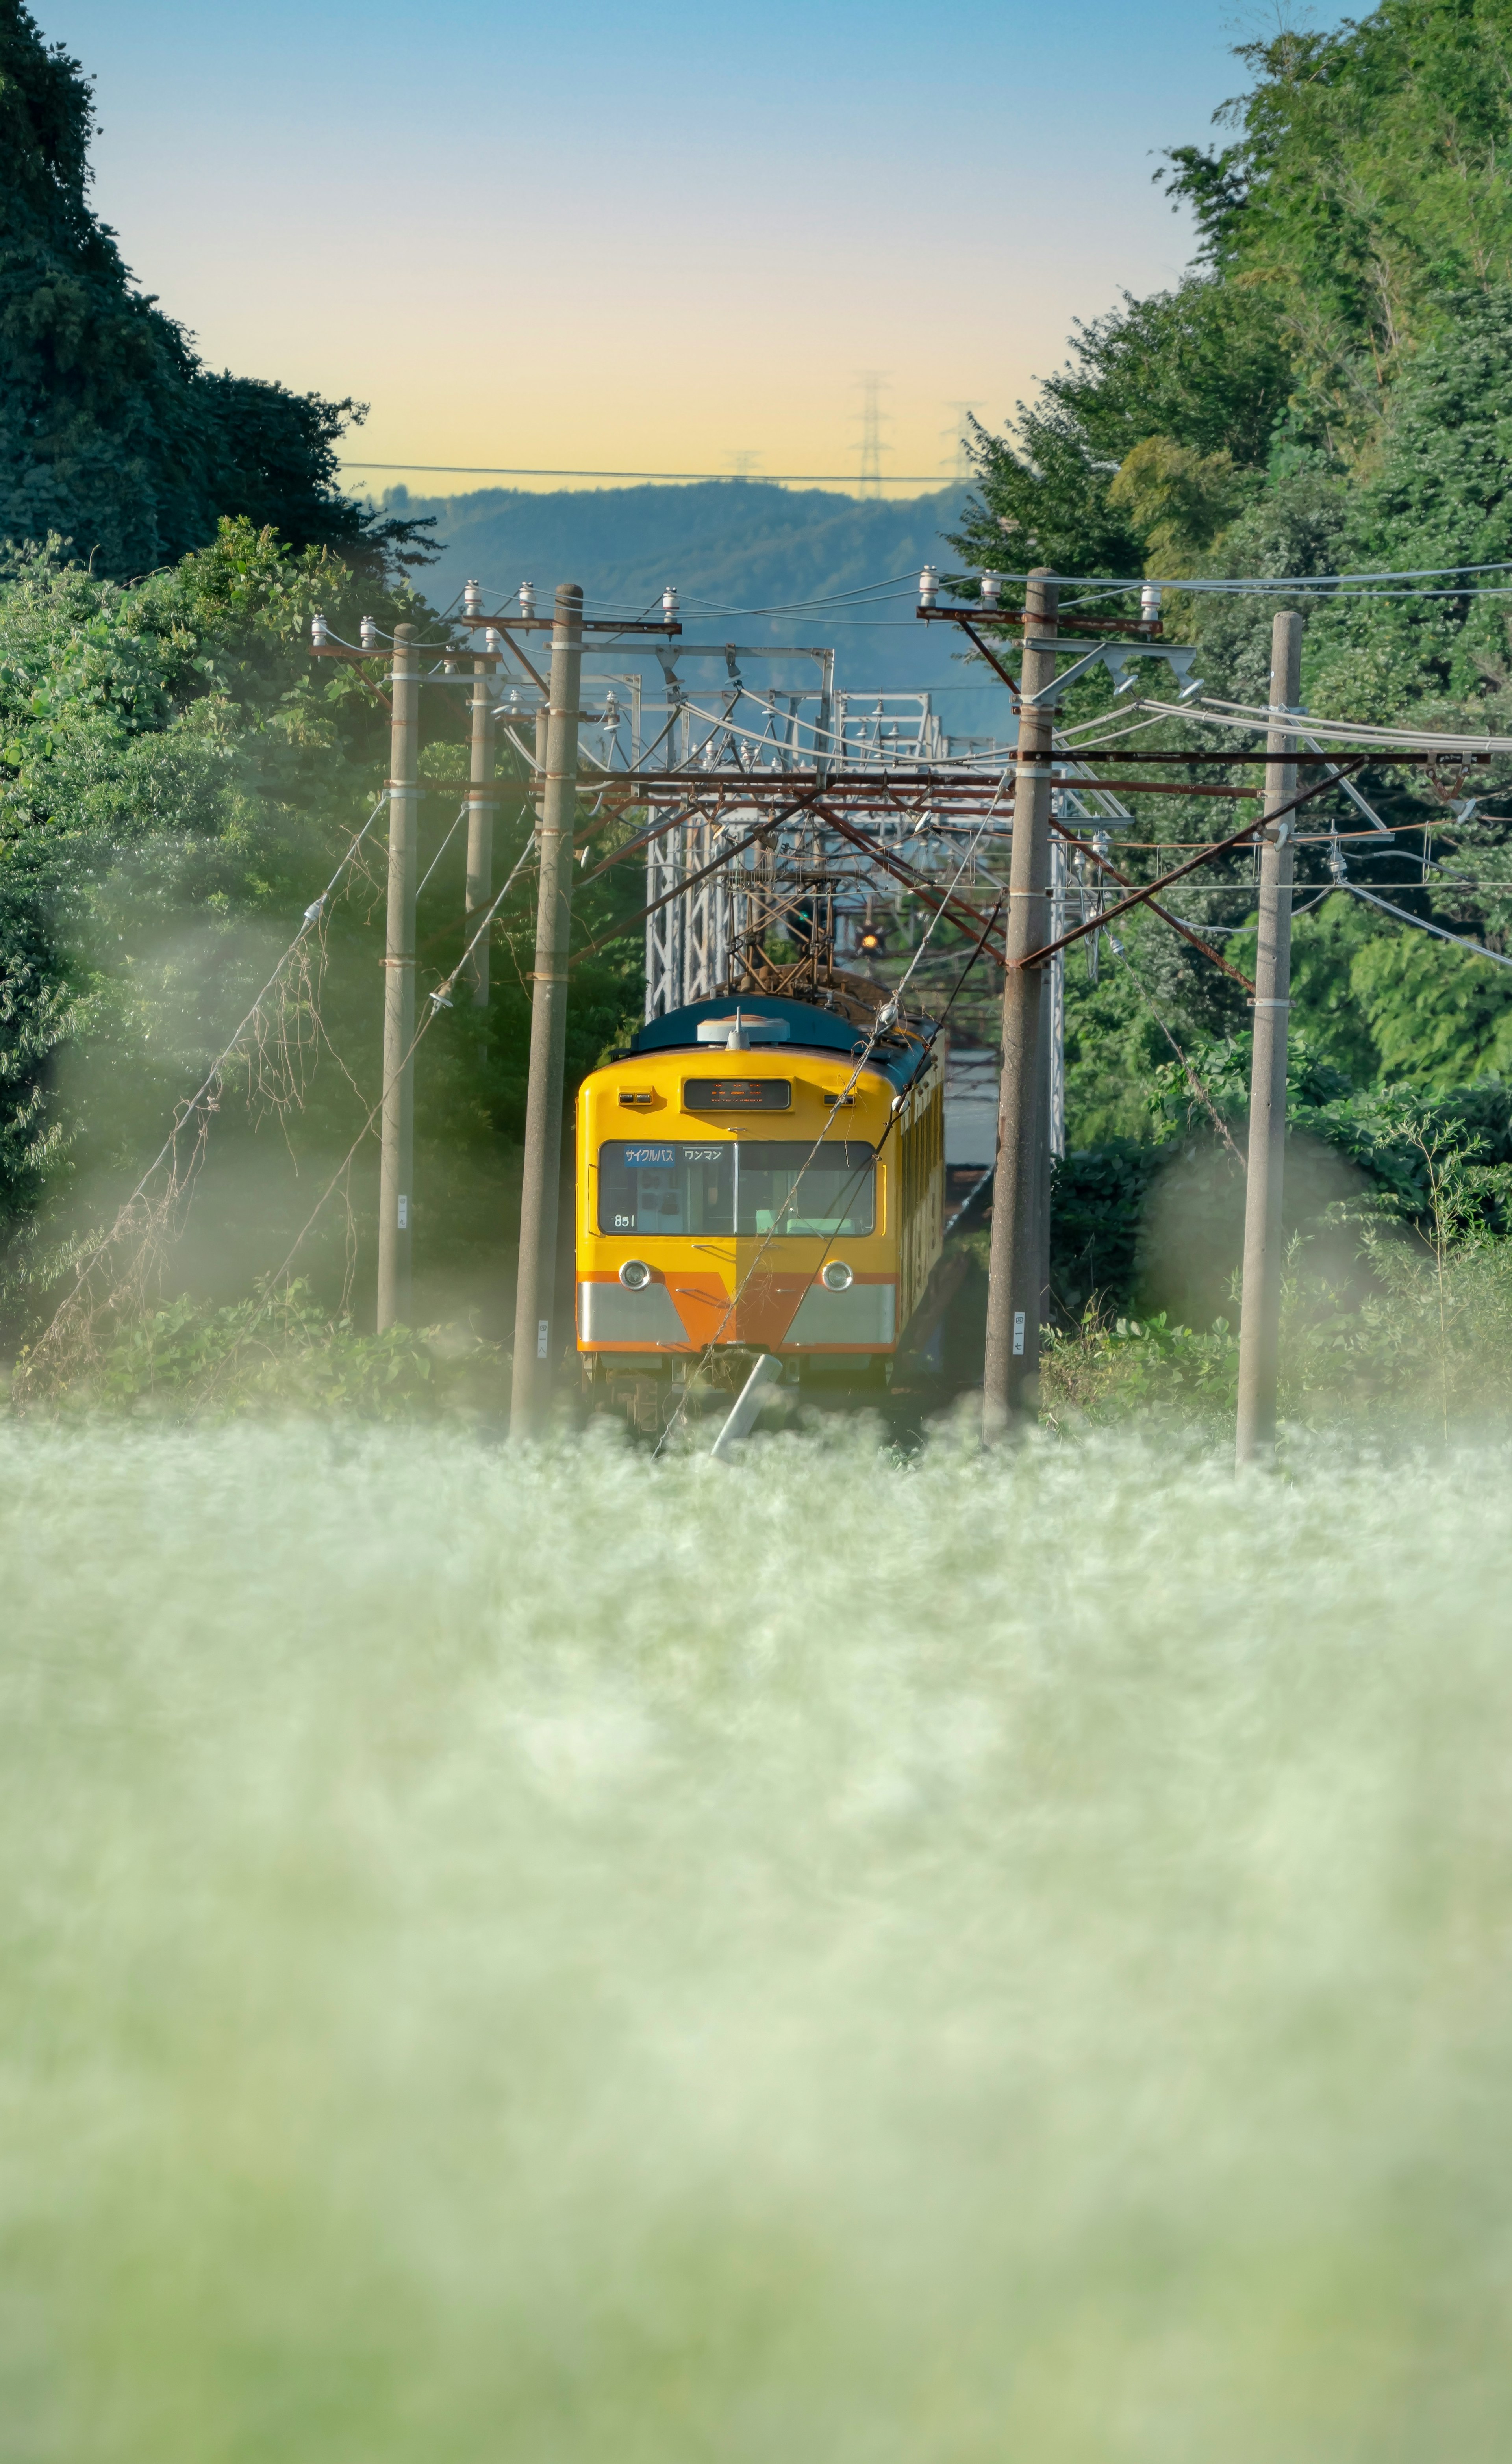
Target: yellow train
(743,1187)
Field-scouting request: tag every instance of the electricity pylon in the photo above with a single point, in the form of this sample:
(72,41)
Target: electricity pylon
(871,382)
(955,464)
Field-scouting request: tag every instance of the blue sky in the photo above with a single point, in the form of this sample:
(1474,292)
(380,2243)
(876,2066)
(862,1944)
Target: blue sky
(612,238)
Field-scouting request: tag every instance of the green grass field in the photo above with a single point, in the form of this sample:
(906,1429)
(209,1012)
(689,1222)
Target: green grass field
(579,1961)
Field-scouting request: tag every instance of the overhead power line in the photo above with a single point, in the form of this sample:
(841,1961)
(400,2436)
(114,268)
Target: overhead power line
(776,479)
(1458,940)
(1273,584)
(1247,717)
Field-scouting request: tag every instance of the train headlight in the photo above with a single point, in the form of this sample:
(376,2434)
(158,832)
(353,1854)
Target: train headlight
(635,1274)
(837,1276)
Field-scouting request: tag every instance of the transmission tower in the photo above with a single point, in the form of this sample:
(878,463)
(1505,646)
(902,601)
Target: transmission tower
(956,463)
(872,415)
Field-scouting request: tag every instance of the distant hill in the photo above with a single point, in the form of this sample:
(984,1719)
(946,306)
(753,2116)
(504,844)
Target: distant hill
(729,545)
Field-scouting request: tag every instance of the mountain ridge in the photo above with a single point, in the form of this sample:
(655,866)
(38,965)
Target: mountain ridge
(743,553)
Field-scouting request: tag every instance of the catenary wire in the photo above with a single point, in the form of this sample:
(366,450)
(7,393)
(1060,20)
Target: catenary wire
(886,1017)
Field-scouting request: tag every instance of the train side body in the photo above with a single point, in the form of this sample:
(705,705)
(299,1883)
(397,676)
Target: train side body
(702,1222)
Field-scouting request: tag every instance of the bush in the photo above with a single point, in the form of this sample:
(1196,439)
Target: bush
(1108,1370)
(1416,1335)
(280,1353)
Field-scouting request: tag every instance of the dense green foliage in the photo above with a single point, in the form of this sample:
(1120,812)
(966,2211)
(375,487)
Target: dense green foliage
(1406,1328)
(111,433)
(179,782)
(280,1352)
(1362,208)
(1365,191)
(1329,390)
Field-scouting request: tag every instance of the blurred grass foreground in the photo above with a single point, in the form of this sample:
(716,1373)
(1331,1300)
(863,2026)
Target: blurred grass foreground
(583,1960)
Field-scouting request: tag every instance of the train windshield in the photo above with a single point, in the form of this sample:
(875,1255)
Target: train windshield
(779,1188)
(675,1190)
(666,1187)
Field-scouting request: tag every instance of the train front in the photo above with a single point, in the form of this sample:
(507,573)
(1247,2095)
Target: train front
(735,1173)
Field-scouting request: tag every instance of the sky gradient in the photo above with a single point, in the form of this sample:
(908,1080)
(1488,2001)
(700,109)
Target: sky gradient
(658,240)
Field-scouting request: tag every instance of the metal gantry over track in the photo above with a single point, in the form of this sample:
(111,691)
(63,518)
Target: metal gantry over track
(798,839)
(805,839)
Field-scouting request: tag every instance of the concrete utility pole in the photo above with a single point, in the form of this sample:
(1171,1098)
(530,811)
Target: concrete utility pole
(1260,1315)
(542,732)
(395,1201)
(481,802)
(1012,1364)
(535,1308)
(1044,1132)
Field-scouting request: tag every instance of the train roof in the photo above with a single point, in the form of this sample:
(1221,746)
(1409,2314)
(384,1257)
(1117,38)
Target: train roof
(808,1023)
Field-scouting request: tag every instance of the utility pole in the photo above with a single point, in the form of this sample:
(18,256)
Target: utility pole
(535,1308)
(1012,1364)
(1260,1313)
(1044,1139)
(542,731)
(481,802)
(396,1170)
(1052,1072)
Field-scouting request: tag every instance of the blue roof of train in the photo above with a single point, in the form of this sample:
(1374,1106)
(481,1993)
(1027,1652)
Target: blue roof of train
(822,1030)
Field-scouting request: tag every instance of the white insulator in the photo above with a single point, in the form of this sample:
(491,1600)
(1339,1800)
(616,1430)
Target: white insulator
(669,602)
(367,633)
(1149,602)
(493,641)
(472,598)
(320,631)
(527,599)
(929,587)
(991,589)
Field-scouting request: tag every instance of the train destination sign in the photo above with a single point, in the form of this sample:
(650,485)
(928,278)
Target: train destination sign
(737,1094)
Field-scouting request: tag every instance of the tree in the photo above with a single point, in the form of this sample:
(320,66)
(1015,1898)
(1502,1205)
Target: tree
(1329,390)
(112,433)
(1367,189)
(1202,368)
